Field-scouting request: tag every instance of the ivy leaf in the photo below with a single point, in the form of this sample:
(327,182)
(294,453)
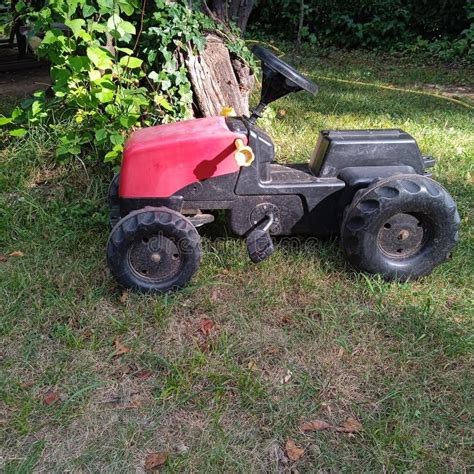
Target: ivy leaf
(123,28)
(78,63)
(126,6)
(106,6)
(151,56)
(18,132)
(154,76)
(85,36)
(128,27)
(36,107)
(100,134)
(60,76)
(16,113)
(162,102)
(110,156)
(105,95)
(113,22)
(4,120)
(94,75)
(75,25)
(100,57)
(200,43)
(128,120)
(165,84)
(114,153)
(125,50)
(68,149)
(88,10)
(130,62)
(98,27)
(50,37)
(116,139)
(20,6)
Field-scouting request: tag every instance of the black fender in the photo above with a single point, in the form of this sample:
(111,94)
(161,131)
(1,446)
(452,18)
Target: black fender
(358,177)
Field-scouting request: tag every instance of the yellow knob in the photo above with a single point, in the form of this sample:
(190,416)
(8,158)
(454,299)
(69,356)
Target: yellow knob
(228,112)
(244,155)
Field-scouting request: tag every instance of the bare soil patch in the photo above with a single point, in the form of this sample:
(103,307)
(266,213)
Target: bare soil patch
(24,82)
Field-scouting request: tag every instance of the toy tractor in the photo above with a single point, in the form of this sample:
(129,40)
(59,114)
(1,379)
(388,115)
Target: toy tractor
(371,186)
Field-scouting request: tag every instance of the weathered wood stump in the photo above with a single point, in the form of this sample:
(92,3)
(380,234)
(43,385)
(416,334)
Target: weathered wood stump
(218,80)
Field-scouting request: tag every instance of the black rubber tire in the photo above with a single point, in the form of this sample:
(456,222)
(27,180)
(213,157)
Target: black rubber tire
(148,223)
(415,196)
(113,201)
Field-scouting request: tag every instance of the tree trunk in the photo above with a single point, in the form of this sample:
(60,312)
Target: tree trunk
(300,25)
(217,80)
(226,11)
(220,79)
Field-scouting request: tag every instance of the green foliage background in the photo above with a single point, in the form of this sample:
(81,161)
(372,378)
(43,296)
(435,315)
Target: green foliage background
(442,29)
(115,69)
(120,64)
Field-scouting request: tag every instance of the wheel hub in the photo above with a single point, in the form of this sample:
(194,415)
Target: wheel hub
(156,257)
(401,236)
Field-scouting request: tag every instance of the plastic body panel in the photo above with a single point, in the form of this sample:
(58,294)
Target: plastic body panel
(302,202)
(159,161)
(339,149)
(264,177)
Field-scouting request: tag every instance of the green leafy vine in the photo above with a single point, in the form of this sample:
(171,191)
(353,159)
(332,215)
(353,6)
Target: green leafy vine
(116,65)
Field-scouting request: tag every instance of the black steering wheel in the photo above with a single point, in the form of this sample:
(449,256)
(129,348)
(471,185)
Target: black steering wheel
(292,75)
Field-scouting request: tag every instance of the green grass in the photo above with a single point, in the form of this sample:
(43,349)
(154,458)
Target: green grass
(398,357)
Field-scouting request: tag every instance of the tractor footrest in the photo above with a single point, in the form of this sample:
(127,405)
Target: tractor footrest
(200,219)
(259,245)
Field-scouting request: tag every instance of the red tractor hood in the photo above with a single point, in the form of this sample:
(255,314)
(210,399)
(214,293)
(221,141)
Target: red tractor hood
(159,161)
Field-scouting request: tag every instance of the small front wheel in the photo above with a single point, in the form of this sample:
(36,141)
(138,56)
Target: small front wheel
(153,250)
(401,227)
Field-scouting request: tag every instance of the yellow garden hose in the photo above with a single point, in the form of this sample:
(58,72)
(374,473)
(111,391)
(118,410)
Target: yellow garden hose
(400,89)
(380,86)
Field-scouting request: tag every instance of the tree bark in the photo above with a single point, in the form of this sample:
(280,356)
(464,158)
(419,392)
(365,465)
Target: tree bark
(220,79)
(217,80)
(300,25)
(226,11)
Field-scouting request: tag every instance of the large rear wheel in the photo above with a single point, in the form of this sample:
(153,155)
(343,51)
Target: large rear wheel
(153,250)
(401,227)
